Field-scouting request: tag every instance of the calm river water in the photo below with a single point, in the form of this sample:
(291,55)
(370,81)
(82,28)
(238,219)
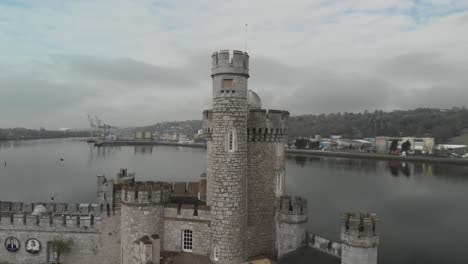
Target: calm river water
(422,207)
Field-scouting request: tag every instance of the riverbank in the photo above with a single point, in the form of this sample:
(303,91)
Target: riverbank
(318,153)
(358,155)
(147,143)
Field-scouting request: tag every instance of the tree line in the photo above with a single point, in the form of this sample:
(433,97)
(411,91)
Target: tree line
(442,124)
(24,133)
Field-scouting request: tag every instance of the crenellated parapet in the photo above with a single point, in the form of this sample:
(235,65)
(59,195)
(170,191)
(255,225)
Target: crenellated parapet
(53,208)
(267,125)
(125,177)
(291,216)
(146,193)
(360,230)
(50,221)
(292,209)
(187,211)
(223,63)
(325,245)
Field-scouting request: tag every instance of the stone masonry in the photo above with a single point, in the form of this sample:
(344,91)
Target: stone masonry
(227,177)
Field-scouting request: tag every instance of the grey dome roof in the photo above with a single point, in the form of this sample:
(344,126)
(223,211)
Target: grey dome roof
(39,210)
(253,100)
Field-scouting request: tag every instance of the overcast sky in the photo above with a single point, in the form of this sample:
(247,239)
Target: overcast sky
(142,62)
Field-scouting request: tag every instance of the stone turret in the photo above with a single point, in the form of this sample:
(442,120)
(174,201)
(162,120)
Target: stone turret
(291,221)
(142,213)
(226,126)
(360,238)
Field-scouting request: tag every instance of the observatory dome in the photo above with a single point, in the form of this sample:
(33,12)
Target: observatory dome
(39,210)
(253,100)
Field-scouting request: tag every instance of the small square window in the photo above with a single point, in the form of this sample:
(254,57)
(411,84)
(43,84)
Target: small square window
(228,84)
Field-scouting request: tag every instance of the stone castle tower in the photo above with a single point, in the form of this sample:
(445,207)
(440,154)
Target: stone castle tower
(245,163)
(360,238)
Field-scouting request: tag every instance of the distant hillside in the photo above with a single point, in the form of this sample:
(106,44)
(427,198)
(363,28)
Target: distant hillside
(184,127)
(441,124)
(444,125)
(23,133)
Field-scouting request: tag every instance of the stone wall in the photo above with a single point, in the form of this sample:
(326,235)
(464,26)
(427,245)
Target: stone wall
(181,217)
(138,220)
(96,244)
(325,245)
(261,198)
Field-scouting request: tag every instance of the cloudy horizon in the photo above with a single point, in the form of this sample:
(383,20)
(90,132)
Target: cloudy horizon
(136,63)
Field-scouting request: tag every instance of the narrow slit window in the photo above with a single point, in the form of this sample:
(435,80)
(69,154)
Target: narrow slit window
(232,138)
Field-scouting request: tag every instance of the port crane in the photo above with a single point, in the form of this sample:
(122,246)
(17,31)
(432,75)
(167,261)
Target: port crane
(99,129)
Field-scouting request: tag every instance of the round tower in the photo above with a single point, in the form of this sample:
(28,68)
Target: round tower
(266,137)
(142,214)
(359,238)
(292,221)
(226,129)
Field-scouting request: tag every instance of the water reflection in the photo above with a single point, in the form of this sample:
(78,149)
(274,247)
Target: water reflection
(383,167)
(143,149)
(397,167)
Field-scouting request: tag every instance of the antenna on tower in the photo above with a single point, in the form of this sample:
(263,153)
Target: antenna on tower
(245,40)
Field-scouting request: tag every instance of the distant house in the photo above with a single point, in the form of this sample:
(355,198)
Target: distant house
(143,135)
(424,145)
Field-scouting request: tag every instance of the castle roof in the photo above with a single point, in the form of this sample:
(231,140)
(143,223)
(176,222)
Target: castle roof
(308,255)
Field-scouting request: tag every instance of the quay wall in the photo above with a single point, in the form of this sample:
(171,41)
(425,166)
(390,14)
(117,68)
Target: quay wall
(463,162)
(319,153)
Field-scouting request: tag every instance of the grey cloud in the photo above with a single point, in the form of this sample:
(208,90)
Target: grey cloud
(339,93)
(390,85)
(126,71)
(423,67)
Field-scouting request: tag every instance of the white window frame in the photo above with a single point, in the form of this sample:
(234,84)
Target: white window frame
(216,253)
(187,240)
(279,149)
(279,182)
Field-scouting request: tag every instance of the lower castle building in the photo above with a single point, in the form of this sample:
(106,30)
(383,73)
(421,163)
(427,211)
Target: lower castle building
(237,211)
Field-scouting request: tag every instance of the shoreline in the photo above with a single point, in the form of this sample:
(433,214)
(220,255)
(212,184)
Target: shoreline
(316,153)
(357,155)
(148,143)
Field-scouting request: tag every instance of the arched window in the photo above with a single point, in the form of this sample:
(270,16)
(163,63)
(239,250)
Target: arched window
(216,253)
(279,183)
(232,140)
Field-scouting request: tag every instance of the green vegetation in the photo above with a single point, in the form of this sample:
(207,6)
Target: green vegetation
(443,125)
(461,139)
(23,133)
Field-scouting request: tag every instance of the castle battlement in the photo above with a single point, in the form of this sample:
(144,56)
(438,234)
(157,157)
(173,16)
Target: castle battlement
(55,208)
(145,192)
(324,244)
(267,125)
(187,211)
(70,222)
(360,230)
(292,210)
(185,189)
(223,63)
